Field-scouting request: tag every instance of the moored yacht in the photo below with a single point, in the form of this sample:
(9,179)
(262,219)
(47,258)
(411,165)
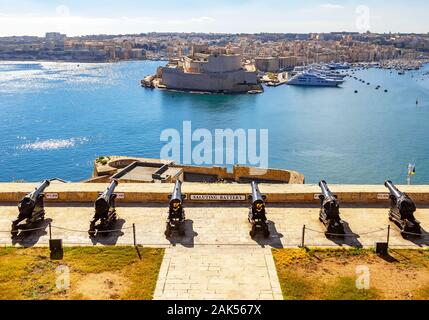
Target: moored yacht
(314,79)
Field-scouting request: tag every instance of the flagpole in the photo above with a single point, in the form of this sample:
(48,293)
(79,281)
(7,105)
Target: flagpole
(411,172)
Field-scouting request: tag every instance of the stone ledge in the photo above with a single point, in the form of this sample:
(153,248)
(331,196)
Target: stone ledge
(276,193)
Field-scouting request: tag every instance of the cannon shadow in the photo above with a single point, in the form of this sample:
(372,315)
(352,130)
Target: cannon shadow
(111,238)
(188,239)
(31,238)
(349,239)
(274,240)
(421,241)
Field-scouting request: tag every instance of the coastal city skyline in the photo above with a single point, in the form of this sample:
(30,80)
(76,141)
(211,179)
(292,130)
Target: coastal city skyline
(237,151)
(75,18)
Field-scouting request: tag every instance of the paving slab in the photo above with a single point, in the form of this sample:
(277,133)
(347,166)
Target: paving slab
(214,225)
(217,259)
(232,273)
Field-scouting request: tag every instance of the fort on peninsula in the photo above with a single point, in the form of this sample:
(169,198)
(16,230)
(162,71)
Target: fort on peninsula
(203,70)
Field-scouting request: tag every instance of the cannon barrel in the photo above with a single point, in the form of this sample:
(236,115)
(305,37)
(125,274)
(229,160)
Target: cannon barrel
(103,201)
(330,211)
(256,194)
(393,190)
(27,204)
(38,190)
(325,189)
(402,210)
(177,192)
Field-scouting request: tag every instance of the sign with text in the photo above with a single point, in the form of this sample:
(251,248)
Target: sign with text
(51,195)
(120,195)
(218,197)
(383,196)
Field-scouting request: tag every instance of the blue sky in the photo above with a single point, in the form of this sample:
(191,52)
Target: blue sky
(78,17)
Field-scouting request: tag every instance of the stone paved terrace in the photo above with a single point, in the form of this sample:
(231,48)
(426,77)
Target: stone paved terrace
(214,224)
(211,272)
(216,259)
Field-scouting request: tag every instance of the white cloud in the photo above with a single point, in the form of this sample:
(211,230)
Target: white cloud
(79,25)
(331,6)
(203,19)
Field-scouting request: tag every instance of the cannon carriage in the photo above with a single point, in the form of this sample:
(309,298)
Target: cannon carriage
(105,211)
(329,213)
(257,214)
(176,213)
(402,210)
(31,209)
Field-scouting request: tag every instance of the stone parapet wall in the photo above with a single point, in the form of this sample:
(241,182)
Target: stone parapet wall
(276,193)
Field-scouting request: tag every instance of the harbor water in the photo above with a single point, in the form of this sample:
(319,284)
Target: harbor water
(56,118)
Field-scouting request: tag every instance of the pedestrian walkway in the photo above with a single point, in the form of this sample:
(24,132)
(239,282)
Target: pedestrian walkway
(218,272)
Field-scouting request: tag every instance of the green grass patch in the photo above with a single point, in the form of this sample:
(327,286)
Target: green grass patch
(295,287)
(345,289)
(28,273)
(330,274)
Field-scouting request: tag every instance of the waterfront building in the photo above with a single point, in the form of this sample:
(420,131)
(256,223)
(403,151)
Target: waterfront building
(209,72)
(267,64)
(275,64)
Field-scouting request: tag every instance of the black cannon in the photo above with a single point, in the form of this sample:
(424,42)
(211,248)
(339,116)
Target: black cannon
(257,215)
(105,210)
(31,209)
(329,213)
(176,213)
(402,210)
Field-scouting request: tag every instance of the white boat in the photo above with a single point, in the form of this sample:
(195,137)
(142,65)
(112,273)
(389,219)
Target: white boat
(313,79)
(327,73)
(336,65)
(319,69)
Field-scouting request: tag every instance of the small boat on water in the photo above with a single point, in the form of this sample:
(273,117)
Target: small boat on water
(315,80)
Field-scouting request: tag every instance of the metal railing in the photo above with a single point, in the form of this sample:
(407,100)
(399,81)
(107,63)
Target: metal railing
(273,241)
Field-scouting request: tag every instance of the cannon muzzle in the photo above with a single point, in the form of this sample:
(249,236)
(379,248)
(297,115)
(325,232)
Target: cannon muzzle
(28,203)
(325,189)
(256,194)
(104,201)
(393,190)
(38,190)
(176,198)
(257,215)
(258,200)
(402,210)
(330,210)
(177,192)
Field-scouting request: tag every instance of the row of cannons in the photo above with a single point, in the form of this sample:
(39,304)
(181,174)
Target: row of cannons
(402,208)
(32,210)
(401,211)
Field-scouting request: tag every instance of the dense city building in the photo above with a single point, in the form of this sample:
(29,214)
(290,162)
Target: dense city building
(269,52)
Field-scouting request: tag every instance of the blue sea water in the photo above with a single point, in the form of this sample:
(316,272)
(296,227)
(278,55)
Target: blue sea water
(56,118)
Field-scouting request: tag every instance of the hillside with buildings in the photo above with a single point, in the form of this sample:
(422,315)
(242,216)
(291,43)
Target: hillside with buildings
(270,51)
